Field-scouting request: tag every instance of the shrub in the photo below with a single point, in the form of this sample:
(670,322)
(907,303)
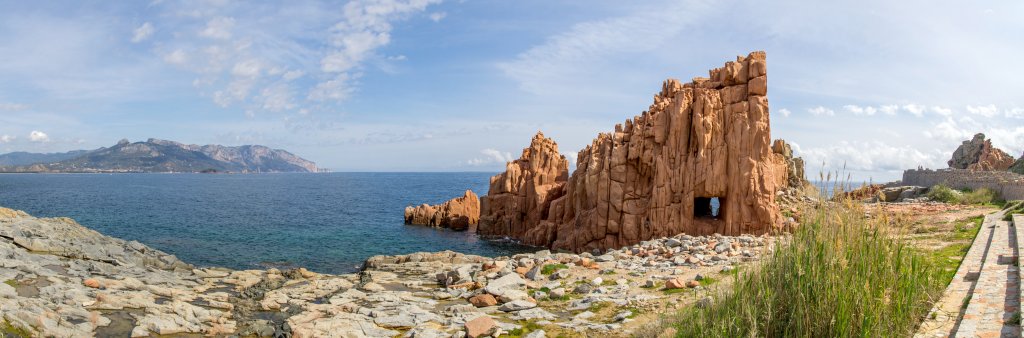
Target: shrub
(942,193)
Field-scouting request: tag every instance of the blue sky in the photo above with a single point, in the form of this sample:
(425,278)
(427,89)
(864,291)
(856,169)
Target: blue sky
(433,85)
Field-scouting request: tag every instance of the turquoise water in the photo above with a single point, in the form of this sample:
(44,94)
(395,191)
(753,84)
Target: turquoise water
(328,223)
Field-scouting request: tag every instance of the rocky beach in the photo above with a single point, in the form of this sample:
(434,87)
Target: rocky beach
(61,279)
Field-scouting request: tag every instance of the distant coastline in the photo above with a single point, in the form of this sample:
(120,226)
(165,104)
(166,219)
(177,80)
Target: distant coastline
(155,155)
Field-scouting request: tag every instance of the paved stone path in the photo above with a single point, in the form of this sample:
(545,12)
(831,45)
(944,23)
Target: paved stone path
(946,313)
(996,295)
(984,298)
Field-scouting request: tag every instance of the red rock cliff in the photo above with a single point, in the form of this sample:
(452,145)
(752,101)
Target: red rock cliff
(655,175)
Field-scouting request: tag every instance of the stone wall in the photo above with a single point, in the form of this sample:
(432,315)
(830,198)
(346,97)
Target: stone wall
(1009,185)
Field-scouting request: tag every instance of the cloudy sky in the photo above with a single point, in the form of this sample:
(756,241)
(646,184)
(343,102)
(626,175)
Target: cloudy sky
(437,85)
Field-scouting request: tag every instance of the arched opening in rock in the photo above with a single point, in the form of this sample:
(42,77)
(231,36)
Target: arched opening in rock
(708,207)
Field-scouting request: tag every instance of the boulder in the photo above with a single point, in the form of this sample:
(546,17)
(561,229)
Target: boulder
(517,305)
(656,175)
(460,213)
(483,300)
(509,286)
(675,283)
(480,326)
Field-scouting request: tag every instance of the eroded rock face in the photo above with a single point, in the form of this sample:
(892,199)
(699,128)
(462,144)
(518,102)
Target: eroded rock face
(794,165)
(519,198)
(459,213)
(656,175)
(979,154)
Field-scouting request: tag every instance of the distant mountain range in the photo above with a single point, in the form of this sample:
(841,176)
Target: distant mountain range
(155,155)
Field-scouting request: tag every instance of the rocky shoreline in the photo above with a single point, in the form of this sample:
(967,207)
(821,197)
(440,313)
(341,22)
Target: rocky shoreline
(61,279)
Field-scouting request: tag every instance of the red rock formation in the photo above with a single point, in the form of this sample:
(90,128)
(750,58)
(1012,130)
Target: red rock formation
(519,198)
(794,165)
(655,175)
(458,213)
(979,154)
(992,158)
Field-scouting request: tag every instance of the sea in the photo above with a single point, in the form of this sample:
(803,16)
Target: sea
(325,222)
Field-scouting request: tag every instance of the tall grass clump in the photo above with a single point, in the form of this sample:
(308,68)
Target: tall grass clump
(840,274)
(980,196)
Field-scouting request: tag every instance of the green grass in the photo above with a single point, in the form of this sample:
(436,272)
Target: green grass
(9,330)
(551,268)
(526,327)
(674,291)
(708,281)
(840,275)
(949,257)
(11,282)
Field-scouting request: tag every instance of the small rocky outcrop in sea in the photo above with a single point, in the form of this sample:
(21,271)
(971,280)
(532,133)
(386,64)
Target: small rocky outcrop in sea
(459,213)
(979,154)
(656,175)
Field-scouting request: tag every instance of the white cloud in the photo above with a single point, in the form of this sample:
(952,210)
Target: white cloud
(218,28)
(248,68)
(304,58)
(491,156)
(574,54)
(785,112)
(858,110)
(177,57)
(6,138)
(889,109)
(1015,113)
(336,89)
(986,111)
(949,130)
(437,16)
(366,27)
(38,136)
(142,32)
(916,110)
(277,98)
(292,75)
(867,156)
(821,111)
(942,110)
(12,106)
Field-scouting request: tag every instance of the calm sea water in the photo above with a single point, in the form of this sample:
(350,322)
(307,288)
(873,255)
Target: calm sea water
(325,222)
